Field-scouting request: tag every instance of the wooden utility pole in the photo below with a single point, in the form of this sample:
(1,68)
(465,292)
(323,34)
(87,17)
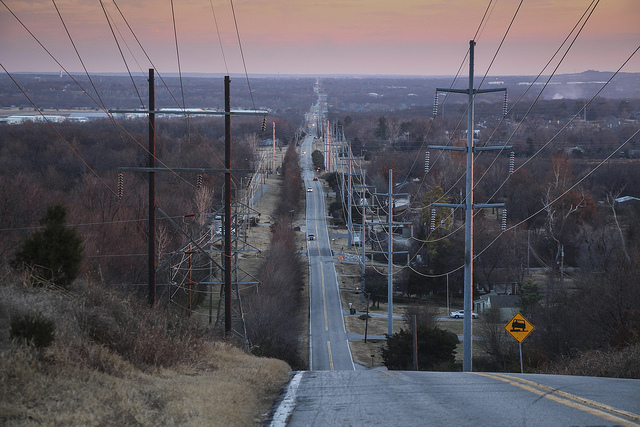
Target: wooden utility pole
(151,169)
(152,190)
(227,208)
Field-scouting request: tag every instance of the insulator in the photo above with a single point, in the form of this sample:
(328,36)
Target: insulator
(433,219)
(504,219)
(426,162)
(120,185)
(505,107)
(435,105)
(264,124)
(199,181)
(512,161)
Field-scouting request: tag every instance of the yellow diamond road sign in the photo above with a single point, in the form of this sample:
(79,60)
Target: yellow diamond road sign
(519,327)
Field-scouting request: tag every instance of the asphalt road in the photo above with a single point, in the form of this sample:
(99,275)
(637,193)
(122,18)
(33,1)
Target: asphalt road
(400,398)
(329,347)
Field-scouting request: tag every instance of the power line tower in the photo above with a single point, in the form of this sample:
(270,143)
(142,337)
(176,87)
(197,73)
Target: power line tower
(152,169)
(469,206)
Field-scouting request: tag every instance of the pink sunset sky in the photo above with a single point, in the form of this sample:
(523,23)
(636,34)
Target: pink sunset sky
(404,37)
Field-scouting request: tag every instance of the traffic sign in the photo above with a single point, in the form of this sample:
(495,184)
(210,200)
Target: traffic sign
(519,327)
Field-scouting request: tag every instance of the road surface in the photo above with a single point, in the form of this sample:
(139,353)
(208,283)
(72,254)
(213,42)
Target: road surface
(329,346)
(400,398)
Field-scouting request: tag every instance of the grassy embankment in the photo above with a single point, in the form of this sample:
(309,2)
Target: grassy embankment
(115,361)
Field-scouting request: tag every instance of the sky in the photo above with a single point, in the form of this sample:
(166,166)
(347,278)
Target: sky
(313,37)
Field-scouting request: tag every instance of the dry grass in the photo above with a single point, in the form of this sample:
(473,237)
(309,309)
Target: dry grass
(116,362)
(46,391)
(623,363)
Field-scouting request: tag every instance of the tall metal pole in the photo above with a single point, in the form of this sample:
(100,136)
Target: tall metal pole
(362,229)
(274,147)
(468,236)
(390,257)
(349,219)
(152,190)
(227,207)
(329,142)
(469,206)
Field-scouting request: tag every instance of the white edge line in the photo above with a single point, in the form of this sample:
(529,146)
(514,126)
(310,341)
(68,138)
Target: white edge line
(288,404)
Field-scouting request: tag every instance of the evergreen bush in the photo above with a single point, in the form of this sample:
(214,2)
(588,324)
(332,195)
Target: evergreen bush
(33,329)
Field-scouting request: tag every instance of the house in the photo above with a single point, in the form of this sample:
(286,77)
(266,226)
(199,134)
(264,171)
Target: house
(505,303)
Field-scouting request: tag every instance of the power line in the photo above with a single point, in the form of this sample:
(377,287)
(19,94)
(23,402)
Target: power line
(121,54)
(244,63)
(546,206)
(175,37)
(215,20)
(215,156)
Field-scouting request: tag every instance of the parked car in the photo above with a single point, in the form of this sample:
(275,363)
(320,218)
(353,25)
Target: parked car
(460,313)
(312,237)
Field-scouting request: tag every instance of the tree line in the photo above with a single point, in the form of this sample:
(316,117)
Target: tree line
(274,312)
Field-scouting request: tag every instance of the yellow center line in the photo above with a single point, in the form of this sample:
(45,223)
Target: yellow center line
(579,399)
(324,299)
(567,399)
(330,355)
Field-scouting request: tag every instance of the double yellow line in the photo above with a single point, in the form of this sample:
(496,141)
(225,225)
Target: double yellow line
(571,400)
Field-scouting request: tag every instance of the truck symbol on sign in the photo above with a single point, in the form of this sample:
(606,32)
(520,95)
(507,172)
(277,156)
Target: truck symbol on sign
(518,326)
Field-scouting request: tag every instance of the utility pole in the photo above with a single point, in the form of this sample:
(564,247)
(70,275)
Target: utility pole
(389,253)
(349,219)
(152,191)
(390,257)
(151,169)
(227,207)
(274,147)
(469,206)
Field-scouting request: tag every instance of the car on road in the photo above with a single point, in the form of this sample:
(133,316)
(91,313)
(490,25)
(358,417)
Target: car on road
(460,313)
(315,178)
(312,237)
(309,189)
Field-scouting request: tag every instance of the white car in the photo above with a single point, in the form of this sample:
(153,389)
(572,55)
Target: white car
(460,313)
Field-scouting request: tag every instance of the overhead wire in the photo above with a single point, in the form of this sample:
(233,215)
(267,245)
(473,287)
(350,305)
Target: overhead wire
(540,73)
(98,102)
(124,60)
(160,76)
(63,68)
(544,68)
(44,117)
(588,12)
(484,20)
(86,72)
(547,205)
(571,188)
(491,63)
(175,37)
(482,24)
(244,63)
(215,20)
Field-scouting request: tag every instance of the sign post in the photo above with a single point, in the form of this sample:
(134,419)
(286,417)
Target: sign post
(519,328)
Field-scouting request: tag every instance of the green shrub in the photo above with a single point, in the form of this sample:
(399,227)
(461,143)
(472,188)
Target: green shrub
(36,330)
(436,349)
